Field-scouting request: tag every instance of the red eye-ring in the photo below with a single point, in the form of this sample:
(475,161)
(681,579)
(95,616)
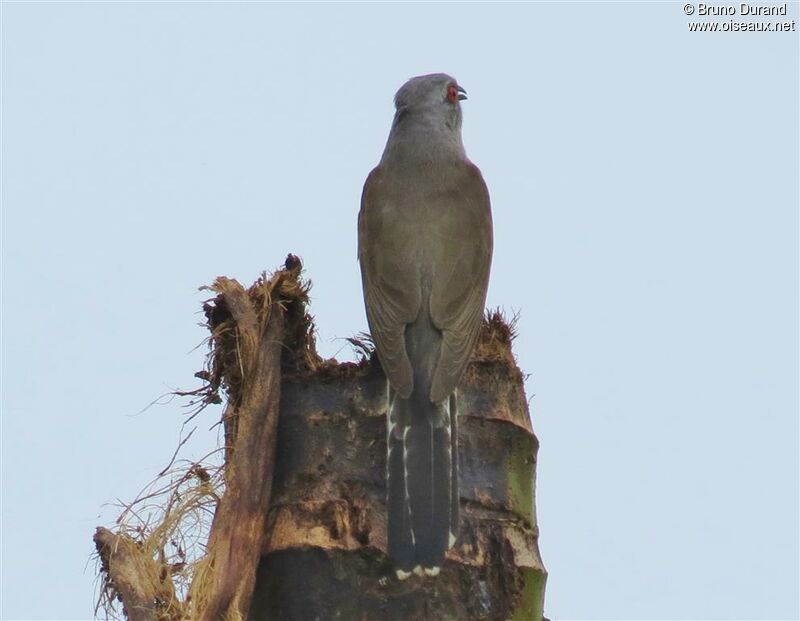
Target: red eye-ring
(452,93)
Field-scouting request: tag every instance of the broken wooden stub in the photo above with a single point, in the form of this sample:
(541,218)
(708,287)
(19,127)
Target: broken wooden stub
(139,580)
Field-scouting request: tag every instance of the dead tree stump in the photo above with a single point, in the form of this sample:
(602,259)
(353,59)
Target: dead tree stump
(319,550)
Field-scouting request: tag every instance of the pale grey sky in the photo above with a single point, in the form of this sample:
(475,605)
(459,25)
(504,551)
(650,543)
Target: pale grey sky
(644,181)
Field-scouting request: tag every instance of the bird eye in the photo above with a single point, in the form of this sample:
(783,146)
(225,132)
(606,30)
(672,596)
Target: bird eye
(452,93)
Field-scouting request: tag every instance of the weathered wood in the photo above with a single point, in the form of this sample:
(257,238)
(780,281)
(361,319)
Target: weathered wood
(255,319)
(137,578)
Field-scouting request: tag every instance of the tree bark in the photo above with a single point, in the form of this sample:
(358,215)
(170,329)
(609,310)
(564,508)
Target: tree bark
(251,420)
(325,550)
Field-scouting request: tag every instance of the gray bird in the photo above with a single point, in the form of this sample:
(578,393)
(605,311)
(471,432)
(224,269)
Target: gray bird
(425,249)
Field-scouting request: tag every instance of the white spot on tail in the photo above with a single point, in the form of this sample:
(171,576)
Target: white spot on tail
(389,428)
(407,497)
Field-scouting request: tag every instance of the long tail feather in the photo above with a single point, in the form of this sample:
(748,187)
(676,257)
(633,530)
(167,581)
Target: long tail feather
(455,496)
(401,543)
(420,481)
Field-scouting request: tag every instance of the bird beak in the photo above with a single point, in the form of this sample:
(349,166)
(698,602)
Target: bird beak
(462,94)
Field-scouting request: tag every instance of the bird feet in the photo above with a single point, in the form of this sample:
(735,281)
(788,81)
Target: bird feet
(419,570)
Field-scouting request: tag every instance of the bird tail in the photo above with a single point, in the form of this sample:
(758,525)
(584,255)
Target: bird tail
(422,482)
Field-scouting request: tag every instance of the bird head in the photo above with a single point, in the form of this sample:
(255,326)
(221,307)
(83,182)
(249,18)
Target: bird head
(435,97)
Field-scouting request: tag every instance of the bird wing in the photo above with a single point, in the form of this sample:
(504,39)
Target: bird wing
(391,291)
(462,278)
